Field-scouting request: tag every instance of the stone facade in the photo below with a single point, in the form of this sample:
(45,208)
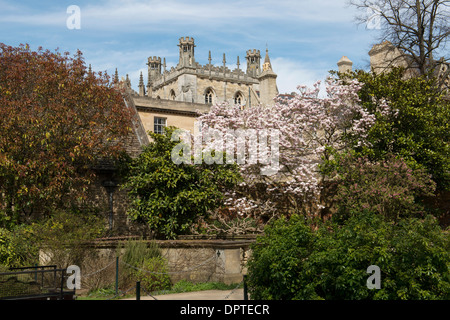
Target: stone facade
(175,95)
(190,81)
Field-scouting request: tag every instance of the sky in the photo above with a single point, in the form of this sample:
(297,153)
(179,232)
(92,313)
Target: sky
(305,39)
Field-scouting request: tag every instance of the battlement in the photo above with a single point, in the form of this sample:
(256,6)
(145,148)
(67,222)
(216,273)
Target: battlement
(253,52)
(186,40)
(154,59)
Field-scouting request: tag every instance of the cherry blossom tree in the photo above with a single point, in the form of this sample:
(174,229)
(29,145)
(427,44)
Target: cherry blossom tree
(308,128)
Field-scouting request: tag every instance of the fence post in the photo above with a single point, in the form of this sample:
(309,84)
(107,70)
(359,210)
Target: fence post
(245,287)
(117,275)
(63,271)
(138,290)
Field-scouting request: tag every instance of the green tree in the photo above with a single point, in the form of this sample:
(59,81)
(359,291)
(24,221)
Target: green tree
(305,259)
(169,197)
(412,121)
(61,238)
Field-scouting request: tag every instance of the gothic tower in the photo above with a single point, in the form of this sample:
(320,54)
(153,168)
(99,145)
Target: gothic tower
(253,62)
(154,67)
(186,52)
(154,72)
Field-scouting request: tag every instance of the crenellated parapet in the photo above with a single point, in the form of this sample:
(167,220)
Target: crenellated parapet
(253,52)
(186,41)
(187,52)
(154,60)
(188,80)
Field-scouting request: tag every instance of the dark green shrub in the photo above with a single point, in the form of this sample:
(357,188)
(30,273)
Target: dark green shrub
(153,274)
(297,259)
(171,197)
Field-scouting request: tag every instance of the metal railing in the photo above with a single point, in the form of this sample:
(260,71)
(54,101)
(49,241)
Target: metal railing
(35,283)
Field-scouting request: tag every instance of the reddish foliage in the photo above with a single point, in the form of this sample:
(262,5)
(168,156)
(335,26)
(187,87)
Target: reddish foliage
(56,120)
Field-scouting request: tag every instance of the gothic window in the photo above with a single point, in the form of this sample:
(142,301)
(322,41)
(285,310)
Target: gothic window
(209,96)
(159,124)
(238,98)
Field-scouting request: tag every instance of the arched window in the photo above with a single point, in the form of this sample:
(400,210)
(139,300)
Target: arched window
(172,95)
(238,98)
(209,96)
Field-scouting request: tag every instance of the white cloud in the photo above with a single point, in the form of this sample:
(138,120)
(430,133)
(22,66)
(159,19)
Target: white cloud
(293,73)
(133,14)
(123,33)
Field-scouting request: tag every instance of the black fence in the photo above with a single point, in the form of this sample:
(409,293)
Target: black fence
(35,283)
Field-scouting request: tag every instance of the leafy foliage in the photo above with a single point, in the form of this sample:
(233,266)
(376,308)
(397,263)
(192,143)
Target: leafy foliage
(137,251)
(153,275)
(303,259)
(18,247)
(64,235)
(387,187)
(143,262)
(170,197)
(187,286)
(412,121)
(56,120)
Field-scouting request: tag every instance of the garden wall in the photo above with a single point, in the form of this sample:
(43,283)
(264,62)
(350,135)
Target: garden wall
(195,260)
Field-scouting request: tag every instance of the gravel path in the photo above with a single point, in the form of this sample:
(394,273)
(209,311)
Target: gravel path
(237,294)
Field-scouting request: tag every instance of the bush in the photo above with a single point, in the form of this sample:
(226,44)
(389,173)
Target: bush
(170,197)
(18,247)
(145,263)
(64,235)
(388,187)
(137,251)
(153,275)
(298,259)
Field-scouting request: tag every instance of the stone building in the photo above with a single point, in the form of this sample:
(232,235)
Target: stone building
(384,56)
(175,97)
(172,97)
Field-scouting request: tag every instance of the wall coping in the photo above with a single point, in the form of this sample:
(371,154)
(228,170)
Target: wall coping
(235,242)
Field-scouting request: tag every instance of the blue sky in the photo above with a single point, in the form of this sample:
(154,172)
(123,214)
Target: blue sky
(305,38)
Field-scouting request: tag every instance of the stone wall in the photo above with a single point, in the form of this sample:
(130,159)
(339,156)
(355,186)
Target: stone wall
(192,260)
(207,260)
